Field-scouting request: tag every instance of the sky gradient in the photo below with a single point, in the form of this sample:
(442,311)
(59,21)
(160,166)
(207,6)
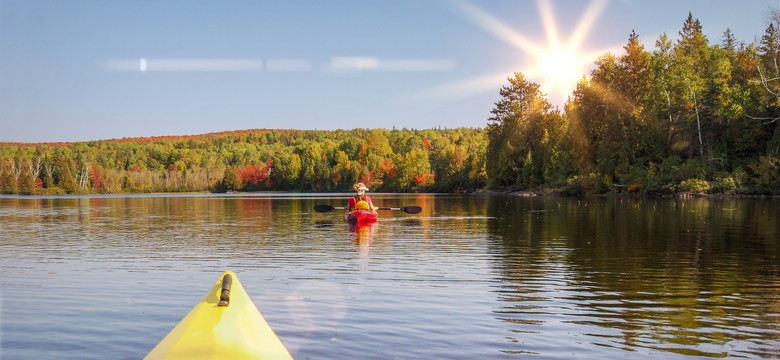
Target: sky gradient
(90,70)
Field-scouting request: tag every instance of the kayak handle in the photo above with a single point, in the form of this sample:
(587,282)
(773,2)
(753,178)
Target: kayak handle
(224,297)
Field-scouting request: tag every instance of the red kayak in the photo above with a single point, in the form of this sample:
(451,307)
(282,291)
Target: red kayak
(360,217)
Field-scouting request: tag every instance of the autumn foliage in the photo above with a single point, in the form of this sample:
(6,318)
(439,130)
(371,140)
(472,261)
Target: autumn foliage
(248,160)
(686,115)
(256,177)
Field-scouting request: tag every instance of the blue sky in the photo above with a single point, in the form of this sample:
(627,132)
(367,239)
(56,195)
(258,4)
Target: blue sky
(87,70)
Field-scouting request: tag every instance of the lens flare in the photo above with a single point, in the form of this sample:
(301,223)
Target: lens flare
(556,66)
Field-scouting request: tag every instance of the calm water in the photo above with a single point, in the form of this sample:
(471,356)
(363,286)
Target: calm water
(469,277)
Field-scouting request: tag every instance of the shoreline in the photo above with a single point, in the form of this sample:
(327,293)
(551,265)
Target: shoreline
(475,192)
(678,195)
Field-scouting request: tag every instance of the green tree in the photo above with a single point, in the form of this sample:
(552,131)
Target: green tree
(514,129)
(415,170)
(66,181)
(127,182)
(26,183)
(378,144)
(692,53)
(8,183)
(287,168)
(344,171)
(230,180)
(769,49)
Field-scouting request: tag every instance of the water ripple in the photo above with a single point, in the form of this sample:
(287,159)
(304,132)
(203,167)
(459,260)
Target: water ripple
(470,277)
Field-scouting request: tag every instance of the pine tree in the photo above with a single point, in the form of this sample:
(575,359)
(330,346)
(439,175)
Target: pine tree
(729,42)
(769,50)
(66,180)
(692,39)
(26,183)
(519,123)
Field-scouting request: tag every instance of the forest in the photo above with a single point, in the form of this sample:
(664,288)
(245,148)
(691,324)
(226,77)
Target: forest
(687,116)
(404,160)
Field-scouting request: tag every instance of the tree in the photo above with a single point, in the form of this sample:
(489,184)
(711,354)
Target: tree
(344,171)
(127,182)
(315,171)
(48,169)
(26,183)
(415,170)
(286,171)
(769,70)
(255,177)
(377,144)
(66,180)
(520,119)
(729,42)
(691,53)
(231,181)
(8,183)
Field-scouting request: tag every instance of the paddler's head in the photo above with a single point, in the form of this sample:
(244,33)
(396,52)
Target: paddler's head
(360,188)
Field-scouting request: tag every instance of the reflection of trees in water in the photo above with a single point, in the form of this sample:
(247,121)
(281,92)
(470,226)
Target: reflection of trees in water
(681,276)
(411,222)
(158,225)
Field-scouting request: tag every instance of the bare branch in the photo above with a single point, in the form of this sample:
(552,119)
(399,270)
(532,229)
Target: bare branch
(771,120)
(765,81)
(35,168)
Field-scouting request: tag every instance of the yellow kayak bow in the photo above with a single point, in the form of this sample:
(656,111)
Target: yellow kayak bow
(224,325)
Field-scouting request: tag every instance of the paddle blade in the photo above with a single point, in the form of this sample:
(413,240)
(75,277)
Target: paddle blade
(411,209)
(323,208)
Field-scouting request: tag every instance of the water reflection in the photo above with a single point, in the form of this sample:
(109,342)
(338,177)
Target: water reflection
(474,276)
(362,232)
(411,222)
(324,223)
(692,278)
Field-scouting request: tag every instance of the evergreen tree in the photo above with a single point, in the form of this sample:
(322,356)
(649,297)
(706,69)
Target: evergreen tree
(8,183)
(520,120)
(729,42)
(26,183)
(66,180)
(769,51)
(692,39)
(690,56)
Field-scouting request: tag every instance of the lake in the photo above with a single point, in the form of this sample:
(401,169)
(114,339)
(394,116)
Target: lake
(471,276)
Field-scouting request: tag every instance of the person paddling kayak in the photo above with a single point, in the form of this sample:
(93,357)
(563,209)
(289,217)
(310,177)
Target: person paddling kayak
(361,189)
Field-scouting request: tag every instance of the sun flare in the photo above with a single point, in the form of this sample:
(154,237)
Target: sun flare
(556,66)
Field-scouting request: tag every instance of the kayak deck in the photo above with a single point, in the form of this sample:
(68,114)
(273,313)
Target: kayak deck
(361,216)
(215,330)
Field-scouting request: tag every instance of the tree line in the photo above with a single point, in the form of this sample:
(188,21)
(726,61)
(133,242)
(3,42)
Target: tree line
(403,160)
(686,116)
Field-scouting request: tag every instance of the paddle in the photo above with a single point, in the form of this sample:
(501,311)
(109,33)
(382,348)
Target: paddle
(406,209)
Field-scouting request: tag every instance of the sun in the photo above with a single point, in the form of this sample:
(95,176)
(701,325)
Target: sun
(556,66)
(560,69)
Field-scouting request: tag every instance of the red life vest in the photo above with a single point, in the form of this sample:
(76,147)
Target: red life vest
(353,200)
